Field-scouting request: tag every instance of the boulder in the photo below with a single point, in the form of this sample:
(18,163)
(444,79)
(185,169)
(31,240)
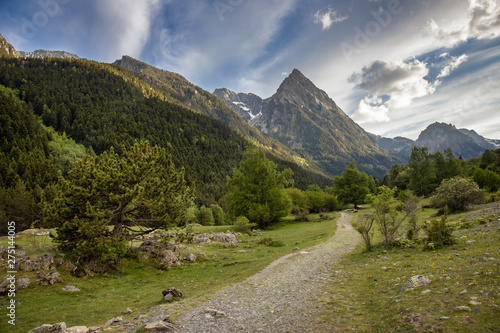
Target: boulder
(170,259)
(171,293)
(159,327)
(70,288)
(153,247)
(201,239)
(77,329)
(127,311)
(29,265)
(51,278)
(190,257)
(114,321)
(56,328)
(415,282)
(23,283)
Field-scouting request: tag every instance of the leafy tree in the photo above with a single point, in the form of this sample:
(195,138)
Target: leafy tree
(386,213)
(205,216)
(423,179)
(218,214)
(352,186)
(103,197)
(457,193)
(364,226)
(256,190)
(487,179)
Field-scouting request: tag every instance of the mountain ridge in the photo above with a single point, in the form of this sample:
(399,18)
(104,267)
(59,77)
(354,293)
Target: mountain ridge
(305,119)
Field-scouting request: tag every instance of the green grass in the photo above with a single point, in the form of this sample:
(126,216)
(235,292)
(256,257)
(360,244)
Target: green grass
(138,285)
(365,295)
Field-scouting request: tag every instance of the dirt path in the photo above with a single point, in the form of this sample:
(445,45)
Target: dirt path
(281,298)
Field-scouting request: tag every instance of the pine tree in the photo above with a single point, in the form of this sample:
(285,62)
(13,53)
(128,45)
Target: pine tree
(256,190)
(104,199)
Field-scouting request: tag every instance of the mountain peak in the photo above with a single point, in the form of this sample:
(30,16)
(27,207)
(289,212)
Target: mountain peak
(6,49)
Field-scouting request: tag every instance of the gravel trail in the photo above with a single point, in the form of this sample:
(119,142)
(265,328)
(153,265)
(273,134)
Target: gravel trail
(284,297)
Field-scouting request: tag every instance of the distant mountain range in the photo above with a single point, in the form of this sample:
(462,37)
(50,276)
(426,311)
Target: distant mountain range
(438,137)
(299,123)
(305,119)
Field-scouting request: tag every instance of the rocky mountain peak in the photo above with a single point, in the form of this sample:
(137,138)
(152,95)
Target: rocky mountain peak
(6,49)
(298,89)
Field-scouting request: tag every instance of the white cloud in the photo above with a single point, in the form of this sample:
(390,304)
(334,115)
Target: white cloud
(128,25)
(452,65)
(483,22)
(328,17)
(371,109)
(399,83)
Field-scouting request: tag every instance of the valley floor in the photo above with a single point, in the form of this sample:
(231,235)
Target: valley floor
(284,297)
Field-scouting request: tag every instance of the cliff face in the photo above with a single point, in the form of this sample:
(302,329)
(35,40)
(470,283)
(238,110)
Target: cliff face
(7,50)
(304,118)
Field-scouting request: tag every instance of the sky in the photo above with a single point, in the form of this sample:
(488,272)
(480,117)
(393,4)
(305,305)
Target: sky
(393,66)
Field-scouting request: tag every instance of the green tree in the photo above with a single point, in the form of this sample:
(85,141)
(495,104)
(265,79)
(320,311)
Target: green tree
(218,214)
(352,186)
(422,176)
(205,216)
(487,179)
(103,198)
(457,193)
(256,190)
(387,215)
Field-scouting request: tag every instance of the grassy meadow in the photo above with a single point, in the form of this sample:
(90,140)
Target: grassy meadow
(463,296)
(138,284)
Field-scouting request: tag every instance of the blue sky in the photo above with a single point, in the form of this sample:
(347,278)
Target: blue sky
(393,66)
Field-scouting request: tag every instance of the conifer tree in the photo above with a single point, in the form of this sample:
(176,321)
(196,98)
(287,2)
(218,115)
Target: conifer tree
(104,198)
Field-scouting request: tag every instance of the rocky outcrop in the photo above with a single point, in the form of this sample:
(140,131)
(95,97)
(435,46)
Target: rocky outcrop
(415,282)
(248,106)
(6,49)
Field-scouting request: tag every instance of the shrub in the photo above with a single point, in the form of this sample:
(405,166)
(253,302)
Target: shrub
(205,216)
(457,193)
(438,234)
(243,225)
(271,242)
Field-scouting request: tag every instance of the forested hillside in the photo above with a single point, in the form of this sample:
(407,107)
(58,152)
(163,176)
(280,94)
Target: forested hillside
(90,103)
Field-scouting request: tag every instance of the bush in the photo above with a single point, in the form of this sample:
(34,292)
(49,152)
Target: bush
(243,225)
(438,234)
(457,193)
(205,216)
(271,242)
(218,214)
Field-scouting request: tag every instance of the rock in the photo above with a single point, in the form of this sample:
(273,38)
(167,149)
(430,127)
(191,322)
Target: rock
(462,308)
(190,257)
(56,328)
(114,321)
(23,283)
(159,327)
(476,310)
(214,313)
(77,329)
(426,291)
(70,288)
(474,303)
(152,247)
(444,318)
(201,239)
(170,259)
(127,311)
(481,259)
(46,261)
(415,282)
(171,293)
(65,265)
(29,265)
(463,292)
(51,278)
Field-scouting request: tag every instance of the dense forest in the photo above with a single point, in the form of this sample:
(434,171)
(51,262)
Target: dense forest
(48,103)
